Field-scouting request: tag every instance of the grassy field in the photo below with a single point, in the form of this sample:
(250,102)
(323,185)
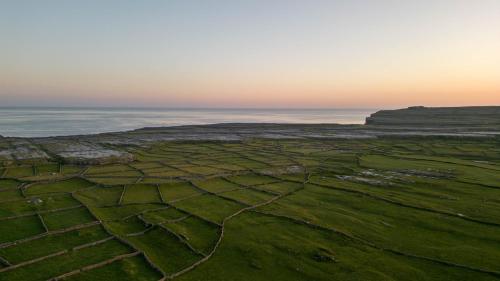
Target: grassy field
(316,209)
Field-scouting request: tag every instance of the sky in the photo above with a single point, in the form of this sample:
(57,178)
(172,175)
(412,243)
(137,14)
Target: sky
(238,53)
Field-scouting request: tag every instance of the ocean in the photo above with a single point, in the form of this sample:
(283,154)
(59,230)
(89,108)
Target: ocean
(44,122)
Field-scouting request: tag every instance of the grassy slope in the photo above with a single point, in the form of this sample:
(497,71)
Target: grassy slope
(430,197)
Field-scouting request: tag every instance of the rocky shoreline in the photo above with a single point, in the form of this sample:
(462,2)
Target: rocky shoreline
(111,147)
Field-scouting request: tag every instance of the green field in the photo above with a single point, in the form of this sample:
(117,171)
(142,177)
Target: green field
(389,208)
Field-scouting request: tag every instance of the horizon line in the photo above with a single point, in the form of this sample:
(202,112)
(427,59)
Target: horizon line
(230,108)
(184,107)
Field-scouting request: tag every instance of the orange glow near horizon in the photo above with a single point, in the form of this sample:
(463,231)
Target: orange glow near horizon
(263,54)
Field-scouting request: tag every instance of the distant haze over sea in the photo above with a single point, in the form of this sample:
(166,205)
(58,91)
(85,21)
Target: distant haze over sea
(44,122)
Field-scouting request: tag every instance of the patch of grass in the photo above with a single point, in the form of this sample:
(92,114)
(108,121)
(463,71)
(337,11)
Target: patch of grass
(165,172)
(163,215)
(47,169)
(229,167)
(165,250)
(387,225)
(37,203)
(452,160)
(128,226)
(68,262)
(209,207)
(19,172)
(141,193)
(198,233)
(100,196)
(146,157)
(200,170)
(10,194)
(108,169)
(112,180)
(8,184)
(178,190)
(69,185)
(147,180)
(464,173)
(246,163)
(248,196)
(280,187)
(8,209)
(146,165)
(252,179)
(120,212)
(71,169)
(47,202)
(129,269)
(52,244)
(65,219)
(129,173)
(216,185)
(436,194)
(46,177)
(258,247)
(15,229)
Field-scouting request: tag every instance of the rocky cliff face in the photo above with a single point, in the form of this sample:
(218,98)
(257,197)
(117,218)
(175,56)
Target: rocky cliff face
(486,117)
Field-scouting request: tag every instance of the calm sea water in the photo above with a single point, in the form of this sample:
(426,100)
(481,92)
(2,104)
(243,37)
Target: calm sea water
(43,122)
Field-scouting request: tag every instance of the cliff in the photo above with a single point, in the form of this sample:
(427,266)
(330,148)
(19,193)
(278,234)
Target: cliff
(437,117)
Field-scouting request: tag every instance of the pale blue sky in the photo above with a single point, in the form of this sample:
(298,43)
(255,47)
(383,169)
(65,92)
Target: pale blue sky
(250,53)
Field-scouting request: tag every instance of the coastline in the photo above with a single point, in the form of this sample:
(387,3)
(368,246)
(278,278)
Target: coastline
(113,146)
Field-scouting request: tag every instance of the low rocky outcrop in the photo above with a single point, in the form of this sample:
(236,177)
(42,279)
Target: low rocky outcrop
(81,152)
